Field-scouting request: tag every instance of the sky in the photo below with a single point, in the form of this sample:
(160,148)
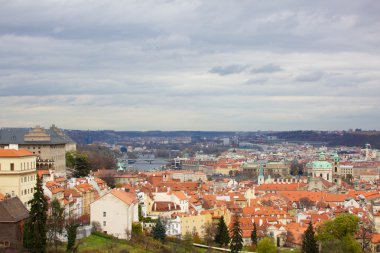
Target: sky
(190,65)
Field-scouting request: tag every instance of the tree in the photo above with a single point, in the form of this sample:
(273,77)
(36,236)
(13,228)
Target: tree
(159,231)
(364,234)
(338,234)
(236,237)
(309,244)
(266,245)
(35,227)
(254,235)
(221,236)
(209,231)
(82,166)
(55,223)
(188,241)
(137,230)
(71,230)
(305,202)
(342,225)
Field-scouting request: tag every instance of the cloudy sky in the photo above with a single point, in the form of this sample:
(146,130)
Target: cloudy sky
(190,65)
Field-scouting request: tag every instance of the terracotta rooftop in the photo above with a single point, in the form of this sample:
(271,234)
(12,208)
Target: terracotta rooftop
(127,197)
(15,153)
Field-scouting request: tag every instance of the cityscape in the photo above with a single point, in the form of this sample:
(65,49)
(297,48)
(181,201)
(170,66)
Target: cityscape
(189,126)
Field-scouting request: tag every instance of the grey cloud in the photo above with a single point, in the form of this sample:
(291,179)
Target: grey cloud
(256,81)
(124,58)
(310,77)
(228,70)
(269,68)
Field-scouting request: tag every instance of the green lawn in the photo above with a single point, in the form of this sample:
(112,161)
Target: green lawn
(95,243)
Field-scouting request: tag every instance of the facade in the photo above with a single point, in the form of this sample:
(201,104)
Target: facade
(194,224)
(12,216)
(322,169)
(115,212)
(49,145)
(18,175)
(374,215)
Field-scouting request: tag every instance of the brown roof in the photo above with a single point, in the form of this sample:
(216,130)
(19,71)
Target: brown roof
(12,210)
(15,152)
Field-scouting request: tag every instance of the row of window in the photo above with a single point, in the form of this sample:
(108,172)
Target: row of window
(26,191)
(23,166)
(28,178)
(5,244)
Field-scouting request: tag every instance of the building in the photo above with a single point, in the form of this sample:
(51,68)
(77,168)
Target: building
(115,212)
(18,175)
(321,168)
(49,145)
(12,217)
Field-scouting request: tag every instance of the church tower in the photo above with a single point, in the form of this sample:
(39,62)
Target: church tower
(260,178)
(336,169)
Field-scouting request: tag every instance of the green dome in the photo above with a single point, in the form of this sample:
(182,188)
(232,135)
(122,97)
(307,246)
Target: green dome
(321,165)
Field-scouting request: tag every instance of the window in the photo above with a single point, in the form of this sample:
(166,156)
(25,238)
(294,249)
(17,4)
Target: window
(104,223)
(12,166)
(104,214)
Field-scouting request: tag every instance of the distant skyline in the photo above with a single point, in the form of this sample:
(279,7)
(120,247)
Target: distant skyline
(190,65)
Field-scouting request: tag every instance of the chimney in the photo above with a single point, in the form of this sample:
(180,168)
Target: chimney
(169,205)
(155,206)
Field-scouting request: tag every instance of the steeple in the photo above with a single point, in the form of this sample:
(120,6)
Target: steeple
(260,178)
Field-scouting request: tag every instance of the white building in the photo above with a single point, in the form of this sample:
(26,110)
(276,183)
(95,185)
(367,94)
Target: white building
(116,211)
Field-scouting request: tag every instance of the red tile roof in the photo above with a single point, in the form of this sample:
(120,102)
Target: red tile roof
(15,152)
(127,197)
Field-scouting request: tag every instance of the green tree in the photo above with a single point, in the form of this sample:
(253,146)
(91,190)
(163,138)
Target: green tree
(221,236)
(266,245)
(159,231)
(350,245)
(342,225)
(71,230)
(137,230)
(188,241)
(79,163)
(347,244)
(236,237)
(254,235)
(338,234)
(309,244)
(55,223)
(35,227)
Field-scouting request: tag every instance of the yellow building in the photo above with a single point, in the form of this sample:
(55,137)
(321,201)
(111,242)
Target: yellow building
(194,223)
(18,173)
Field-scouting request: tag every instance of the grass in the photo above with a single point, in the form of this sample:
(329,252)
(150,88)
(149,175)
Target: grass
(95,243)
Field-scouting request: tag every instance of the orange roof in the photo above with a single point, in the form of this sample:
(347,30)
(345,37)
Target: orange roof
(40,173)
(72,191)
(1,197)
(180,195)
(15,152)
(127,197)
(375,238)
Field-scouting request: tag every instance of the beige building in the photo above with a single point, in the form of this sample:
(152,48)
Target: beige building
(49,145)
(194,223)
(18,173)
(116,211)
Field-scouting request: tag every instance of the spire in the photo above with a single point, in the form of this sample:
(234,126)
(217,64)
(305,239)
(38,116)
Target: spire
(260,178)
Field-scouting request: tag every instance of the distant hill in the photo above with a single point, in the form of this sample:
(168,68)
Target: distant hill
(342,138)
